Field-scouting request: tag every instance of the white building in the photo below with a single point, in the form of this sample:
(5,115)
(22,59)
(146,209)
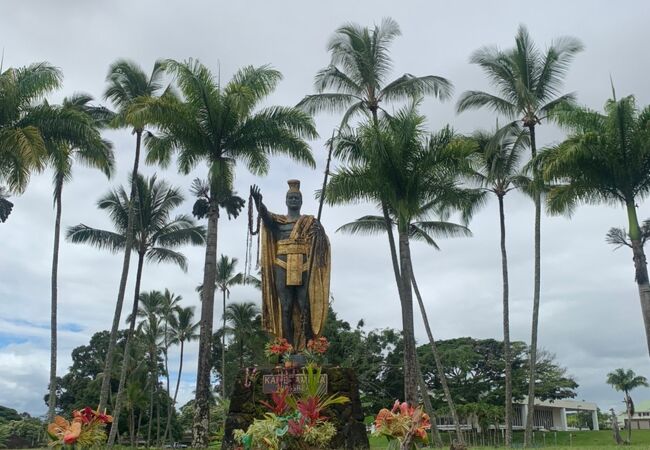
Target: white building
(549,415)
(640,419)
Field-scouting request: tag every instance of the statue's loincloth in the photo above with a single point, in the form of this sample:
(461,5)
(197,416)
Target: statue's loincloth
(296,251)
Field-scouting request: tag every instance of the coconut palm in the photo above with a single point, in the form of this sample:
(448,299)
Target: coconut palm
(528,83)
(91,151)
(156,236)
(22,144)
(625,381)
(220,125)
(182,329)
(168,308)
(498,172)
(128,85)
(240,318)
(417,177)
(226,278)
(356,81)
(605,159)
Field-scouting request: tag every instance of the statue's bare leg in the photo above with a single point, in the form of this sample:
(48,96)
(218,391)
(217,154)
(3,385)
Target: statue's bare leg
(285,296)
(302,297)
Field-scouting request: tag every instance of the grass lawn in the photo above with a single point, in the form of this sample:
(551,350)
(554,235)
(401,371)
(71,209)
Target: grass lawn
(585,440)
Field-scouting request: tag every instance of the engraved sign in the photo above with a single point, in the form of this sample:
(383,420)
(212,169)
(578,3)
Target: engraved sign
(293,382)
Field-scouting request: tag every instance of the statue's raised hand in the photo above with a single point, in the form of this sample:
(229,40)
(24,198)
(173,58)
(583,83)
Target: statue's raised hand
(256,194)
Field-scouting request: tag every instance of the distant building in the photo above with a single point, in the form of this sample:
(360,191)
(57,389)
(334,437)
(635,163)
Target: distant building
(549,415)
(640,419)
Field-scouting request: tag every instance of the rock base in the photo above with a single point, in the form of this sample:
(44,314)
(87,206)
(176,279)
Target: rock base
(348,418)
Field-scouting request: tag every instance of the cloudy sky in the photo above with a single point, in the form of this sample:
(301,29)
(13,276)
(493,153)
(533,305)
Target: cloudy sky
(590,314)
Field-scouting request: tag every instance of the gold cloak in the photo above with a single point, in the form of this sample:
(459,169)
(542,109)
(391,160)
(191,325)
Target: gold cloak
(319,282)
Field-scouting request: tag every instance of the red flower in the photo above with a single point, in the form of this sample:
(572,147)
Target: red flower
(318,345)
(280,405)
(309,409)
(296,427)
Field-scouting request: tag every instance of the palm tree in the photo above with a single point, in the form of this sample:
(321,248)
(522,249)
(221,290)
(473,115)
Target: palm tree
(416,177)
(605,160)
(152,336)
(528,83)
(155,233)
(498,172)
(168,308)
(182,329)
(91,151)
(626,381)
(220,125)
(22,144)
(226,278)
(240,318)
(358,71)
(128,85)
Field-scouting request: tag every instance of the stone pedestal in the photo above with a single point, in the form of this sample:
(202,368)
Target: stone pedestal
(347,418)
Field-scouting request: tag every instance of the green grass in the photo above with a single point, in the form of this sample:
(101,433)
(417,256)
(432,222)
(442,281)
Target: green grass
(584,440)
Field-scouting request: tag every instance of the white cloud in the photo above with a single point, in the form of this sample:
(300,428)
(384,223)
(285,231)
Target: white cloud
(589,310)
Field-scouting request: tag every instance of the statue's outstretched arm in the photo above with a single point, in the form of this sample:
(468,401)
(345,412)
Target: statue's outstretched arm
(264,213)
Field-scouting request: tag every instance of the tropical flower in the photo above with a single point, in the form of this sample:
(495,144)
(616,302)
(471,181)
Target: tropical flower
(404,423)
(280,346)
(318,345)
(85,430)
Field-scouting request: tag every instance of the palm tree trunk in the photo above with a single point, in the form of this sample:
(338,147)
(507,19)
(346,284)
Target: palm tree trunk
(428,407)
(223,350)
(528,435)
(410,373)
(108,365)
(127,348)
(640,267)
(628,407)
(53,314)
(438,360)
(132,426)
(201,423)
(150,418)
(178,383)
(169,405)
(506,328)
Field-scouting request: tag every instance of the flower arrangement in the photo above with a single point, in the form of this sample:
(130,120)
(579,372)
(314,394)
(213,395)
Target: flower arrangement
(293,420)
(278,347)
(403,425)
(85,430)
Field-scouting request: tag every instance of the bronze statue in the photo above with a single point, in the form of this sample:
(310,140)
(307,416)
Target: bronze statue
(295,263)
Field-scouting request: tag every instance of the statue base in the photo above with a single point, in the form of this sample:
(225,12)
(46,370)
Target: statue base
(347,418)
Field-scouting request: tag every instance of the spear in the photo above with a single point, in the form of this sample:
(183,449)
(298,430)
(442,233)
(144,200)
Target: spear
(320,207)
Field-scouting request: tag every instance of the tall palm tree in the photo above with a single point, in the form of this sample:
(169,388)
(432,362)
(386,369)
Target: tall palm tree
(167,310)
(92,151)
(182,329)
(498,172)
(128,85)
(152,336)
(356,81)
(156,235)
(221,125)
(240,318)
(626,381)
(605,159)
(226,278)
(22,144)
(417,176)
(528,83)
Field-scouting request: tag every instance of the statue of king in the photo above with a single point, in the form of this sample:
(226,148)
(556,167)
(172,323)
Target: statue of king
(295,263)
